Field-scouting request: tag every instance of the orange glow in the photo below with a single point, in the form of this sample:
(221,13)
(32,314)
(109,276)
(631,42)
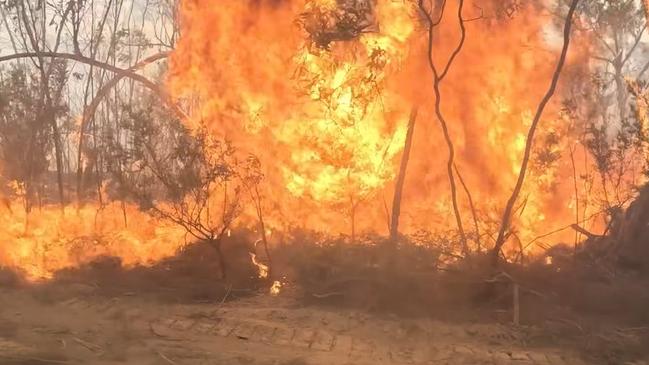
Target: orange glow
(328,123)
(276,288)
(46,241)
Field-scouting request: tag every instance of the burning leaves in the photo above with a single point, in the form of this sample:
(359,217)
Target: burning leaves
(320,119)
(342,20)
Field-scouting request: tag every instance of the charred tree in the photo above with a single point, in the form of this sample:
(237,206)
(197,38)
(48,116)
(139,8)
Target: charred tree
(509,208)
(251,179)
(474,213)
(438,77)
(401,178)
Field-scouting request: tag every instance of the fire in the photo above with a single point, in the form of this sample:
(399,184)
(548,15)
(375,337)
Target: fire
(325,108)
(45,241)
(330,103)
(321,91)
(275,288)
(263,269)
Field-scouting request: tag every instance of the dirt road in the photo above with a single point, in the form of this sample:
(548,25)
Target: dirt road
(81,327)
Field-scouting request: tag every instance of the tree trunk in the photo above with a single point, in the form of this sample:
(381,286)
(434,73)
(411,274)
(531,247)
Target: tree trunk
(216,244)
(264,241)
(58,151)
(507,215)
(438,77)
(123,205)
(474,214)
(576,187)
(620,88)
(398,189)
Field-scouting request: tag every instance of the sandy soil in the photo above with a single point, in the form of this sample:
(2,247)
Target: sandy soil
(79,324)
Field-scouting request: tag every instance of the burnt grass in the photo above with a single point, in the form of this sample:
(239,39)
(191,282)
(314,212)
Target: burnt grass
(571,302)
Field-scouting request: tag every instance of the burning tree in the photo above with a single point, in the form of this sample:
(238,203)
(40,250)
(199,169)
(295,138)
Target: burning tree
(505,223)
(438,76)
(191,179)
(317,113)
(353,155)
(341,20)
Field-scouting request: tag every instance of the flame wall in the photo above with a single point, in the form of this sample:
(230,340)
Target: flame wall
(329,125)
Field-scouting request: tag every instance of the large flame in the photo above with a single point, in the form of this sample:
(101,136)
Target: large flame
(324,104)
(329,122)
(45,241)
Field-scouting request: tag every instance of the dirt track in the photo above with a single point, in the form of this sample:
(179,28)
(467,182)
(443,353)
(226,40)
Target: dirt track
(85,328)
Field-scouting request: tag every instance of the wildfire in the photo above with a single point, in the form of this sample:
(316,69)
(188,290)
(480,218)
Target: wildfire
(263,269)
(324,104)
(320,91)
(275,288)
(45,241)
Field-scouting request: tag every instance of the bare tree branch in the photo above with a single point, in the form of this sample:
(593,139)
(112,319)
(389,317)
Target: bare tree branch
(507,215)
(106,66)
(90,110)
(437,80)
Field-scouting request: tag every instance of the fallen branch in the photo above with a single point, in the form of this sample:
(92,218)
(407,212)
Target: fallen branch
(634,329)
(227,294)
(562,228)
(570,322)
(158,333)
(501,277)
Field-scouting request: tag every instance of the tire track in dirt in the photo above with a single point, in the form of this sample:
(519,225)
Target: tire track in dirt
(352,349)
(252,332)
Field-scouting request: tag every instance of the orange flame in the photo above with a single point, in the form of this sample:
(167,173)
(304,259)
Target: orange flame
(47,241)
(329,124)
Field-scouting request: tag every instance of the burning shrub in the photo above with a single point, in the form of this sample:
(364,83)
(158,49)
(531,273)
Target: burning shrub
(340,20)
(193,180)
